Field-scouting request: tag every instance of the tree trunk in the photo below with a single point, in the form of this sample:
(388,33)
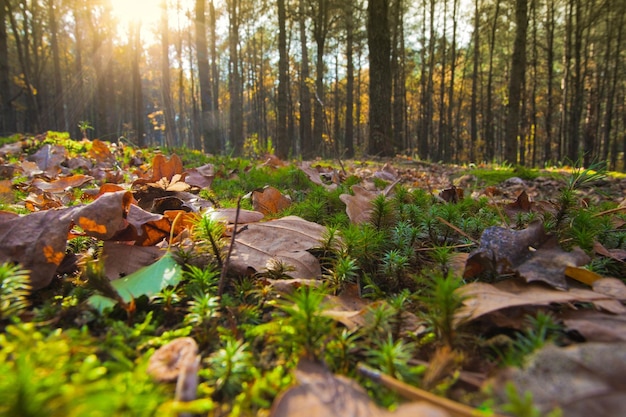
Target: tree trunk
(475,92)
(166,91)
(138,107)
(398,76)
(7,114)
(490,142)
(306,134)
(207,120)
(441,134)
(450,133)
(516,80)
(349,129)
(549,148)
(320,33)
(282,141)
(234,79)
(59,122)
(380,142)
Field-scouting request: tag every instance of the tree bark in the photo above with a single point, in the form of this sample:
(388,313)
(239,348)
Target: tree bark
(207,120)
(59,122)
(166,92)
(234,79)
(306,134)
(7,114)
(349,120)
(138,107)
(380,142)
(516,80)
(282,141)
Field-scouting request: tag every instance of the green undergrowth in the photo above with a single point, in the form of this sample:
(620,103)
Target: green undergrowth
(58,356)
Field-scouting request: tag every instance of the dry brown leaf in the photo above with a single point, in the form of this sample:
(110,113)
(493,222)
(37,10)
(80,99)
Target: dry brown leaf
(617,254)
(612,287)
(359,205)
(166,168)
(62,184)
(286,239)
(49,158)
(6,192)
(38,241)
(269,201)
(596,326)
(528,253)
(201,177)
(583,380)
(122,259)
(485,298)
(101,153)
(315,175)
(321,393)
(228,215)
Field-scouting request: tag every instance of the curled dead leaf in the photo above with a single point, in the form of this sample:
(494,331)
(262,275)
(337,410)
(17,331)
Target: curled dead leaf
(167,362)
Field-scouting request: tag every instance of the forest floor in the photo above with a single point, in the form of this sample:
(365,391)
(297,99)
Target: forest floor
(144,282)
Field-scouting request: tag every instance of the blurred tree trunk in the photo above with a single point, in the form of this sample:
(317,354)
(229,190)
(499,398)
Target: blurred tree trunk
(490,145)
(215,79)
(306,134)
(8,123)
(516,80)
(475,77)
(441,133)
(166,91)
(321,26)
(234,79)
(210,138)
(452,131)
(611,99)
(59,122)
(138,107)
(549,145)
(398,76)
(380,140)
(349,120)
(282,141)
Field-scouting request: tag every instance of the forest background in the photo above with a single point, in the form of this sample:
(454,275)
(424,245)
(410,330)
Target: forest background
(528,82)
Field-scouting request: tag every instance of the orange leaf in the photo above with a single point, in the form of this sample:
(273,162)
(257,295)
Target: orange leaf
(53,256)
(90,225)
(163,168)
(269,201)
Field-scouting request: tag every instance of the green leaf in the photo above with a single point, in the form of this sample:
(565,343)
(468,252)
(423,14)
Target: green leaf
(147,281)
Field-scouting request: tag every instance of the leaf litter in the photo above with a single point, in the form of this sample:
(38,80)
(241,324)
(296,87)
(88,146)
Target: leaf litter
(135,221)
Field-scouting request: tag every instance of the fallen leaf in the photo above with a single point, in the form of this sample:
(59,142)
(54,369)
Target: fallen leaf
(37,241)
(315,175)
(617,254)
(359,205)
(48,158)
(201,177)
(582,275)
(582,380)
(6,192)
(269,201)
(320,393)
(528,253)
(166,168)
(122,259)
(596,326)
(147,281)
(228,215)
(483,298)
(612,287)
(452,194)
(101,153)
(286,239)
